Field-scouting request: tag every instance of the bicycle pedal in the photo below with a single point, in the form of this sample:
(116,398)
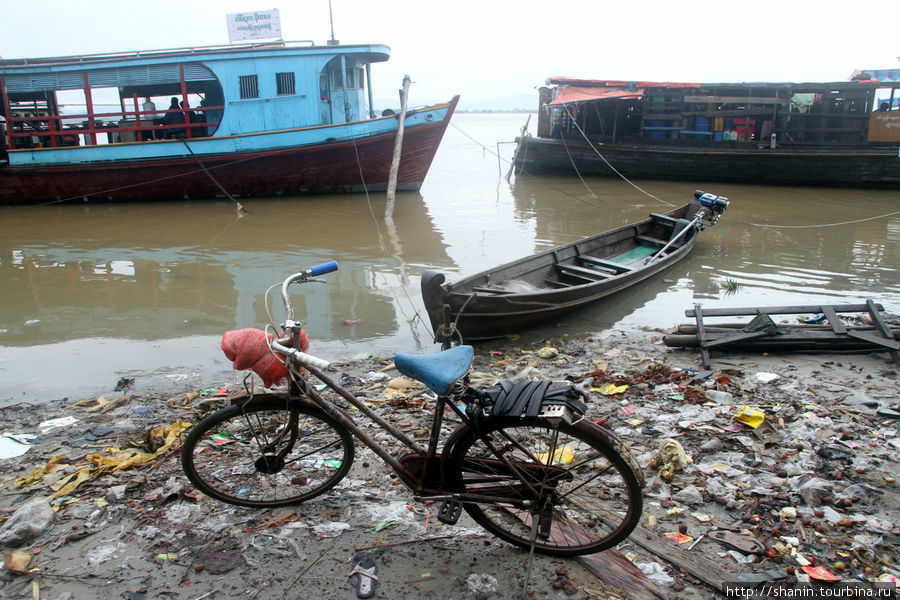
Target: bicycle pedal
(544,524)
(449,512)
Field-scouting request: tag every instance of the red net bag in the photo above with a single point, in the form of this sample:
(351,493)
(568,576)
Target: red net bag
(249,349)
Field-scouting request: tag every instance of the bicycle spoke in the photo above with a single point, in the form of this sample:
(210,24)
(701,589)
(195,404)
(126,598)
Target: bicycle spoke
(264,454)
(590,496)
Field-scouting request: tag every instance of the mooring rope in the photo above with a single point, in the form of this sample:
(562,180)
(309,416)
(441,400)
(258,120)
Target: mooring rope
(239,206)
(890,214)
(417,317)
(549,185)
(608,164)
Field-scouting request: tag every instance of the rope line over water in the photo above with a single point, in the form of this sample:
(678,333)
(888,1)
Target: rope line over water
(608,164)
(884,216)
(550,185)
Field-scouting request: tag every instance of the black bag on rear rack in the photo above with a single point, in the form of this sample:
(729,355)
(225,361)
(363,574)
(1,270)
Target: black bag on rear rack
(523,398)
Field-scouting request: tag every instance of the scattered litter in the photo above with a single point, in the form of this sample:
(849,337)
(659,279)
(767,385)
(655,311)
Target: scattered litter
(719,397)
(17,561)
(482,583)
(750,417)
(15,444)
(611,389)
(547,353)
(330,530)
(671,458)
(811,485)
(764,377)
(820,573)
(655,572)
(363,577)
(47,426)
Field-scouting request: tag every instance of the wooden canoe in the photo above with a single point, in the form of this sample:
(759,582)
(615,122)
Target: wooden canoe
(527,292)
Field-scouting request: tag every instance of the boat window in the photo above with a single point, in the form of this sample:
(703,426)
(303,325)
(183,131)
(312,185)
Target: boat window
(337,79)
(249,86)
(285,83)
(351,78)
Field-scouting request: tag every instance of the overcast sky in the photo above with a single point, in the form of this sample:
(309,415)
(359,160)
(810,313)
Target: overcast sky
(484,49)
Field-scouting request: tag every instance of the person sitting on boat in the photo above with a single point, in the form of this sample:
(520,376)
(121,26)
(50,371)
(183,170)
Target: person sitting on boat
(148,115)
(198,116)
(174,116)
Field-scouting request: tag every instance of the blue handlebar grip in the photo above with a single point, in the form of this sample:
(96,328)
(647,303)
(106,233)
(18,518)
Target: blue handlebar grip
(323,268)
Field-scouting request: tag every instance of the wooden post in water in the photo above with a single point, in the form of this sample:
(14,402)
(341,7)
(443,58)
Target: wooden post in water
(398,146)
(512,165)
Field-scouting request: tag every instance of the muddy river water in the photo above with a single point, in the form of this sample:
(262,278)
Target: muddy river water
(94,293)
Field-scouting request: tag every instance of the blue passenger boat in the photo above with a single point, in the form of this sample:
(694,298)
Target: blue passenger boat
(237,120)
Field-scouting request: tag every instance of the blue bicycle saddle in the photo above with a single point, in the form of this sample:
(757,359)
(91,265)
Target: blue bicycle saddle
(437,371)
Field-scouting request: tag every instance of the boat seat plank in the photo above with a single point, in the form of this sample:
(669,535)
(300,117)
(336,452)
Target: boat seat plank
(650,241)
(583,272)
(556,283)
(495,291)
(664,219)
(600,262)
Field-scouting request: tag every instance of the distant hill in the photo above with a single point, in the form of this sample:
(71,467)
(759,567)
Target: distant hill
(514,103)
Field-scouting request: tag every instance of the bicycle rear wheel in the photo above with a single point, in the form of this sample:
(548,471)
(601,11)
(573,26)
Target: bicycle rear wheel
(268,451)
(570,491)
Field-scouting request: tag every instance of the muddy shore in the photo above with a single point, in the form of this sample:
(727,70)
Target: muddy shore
(810,491)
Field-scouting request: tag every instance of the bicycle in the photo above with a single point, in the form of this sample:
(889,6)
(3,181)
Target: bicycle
(524,461)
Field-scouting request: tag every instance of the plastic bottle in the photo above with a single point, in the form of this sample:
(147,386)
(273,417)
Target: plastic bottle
(720,397)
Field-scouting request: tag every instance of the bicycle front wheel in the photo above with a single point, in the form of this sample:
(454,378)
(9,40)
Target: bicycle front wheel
(564,488)
(268,451)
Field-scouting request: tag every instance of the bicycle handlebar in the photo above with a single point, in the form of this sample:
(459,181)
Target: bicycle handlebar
(302,276)
(324,268)
(303,358)
(278,345)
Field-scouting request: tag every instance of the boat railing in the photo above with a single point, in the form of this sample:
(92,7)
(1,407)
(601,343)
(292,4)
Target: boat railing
(53,131)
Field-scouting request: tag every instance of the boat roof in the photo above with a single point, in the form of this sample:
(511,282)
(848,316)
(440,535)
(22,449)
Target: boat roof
(877,74)
(864,79)
(368,52)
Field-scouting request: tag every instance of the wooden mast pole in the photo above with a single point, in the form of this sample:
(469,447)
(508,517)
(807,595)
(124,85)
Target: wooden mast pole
(398,146)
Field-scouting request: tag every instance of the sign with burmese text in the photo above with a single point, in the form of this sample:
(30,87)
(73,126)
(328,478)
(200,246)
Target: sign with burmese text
(257,25)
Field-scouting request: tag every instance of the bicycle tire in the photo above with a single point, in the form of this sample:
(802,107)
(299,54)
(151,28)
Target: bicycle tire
(590,494)
(233,454)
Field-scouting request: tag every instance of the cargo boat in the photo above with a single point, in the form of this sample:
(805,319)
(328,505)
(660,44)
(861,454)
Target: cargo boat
(820,134)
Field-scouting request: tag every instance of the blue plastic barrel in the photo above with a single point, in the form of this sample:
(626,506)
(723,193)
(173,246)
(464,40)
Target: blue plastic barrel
(701,124)
(656,133)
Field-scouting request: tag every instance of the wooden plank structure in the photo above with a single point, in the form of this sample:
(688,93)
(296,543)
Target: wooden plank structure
(763,333)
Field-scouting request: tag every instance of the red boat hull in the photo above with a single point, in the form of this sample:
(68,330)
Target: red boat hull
(341,166)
